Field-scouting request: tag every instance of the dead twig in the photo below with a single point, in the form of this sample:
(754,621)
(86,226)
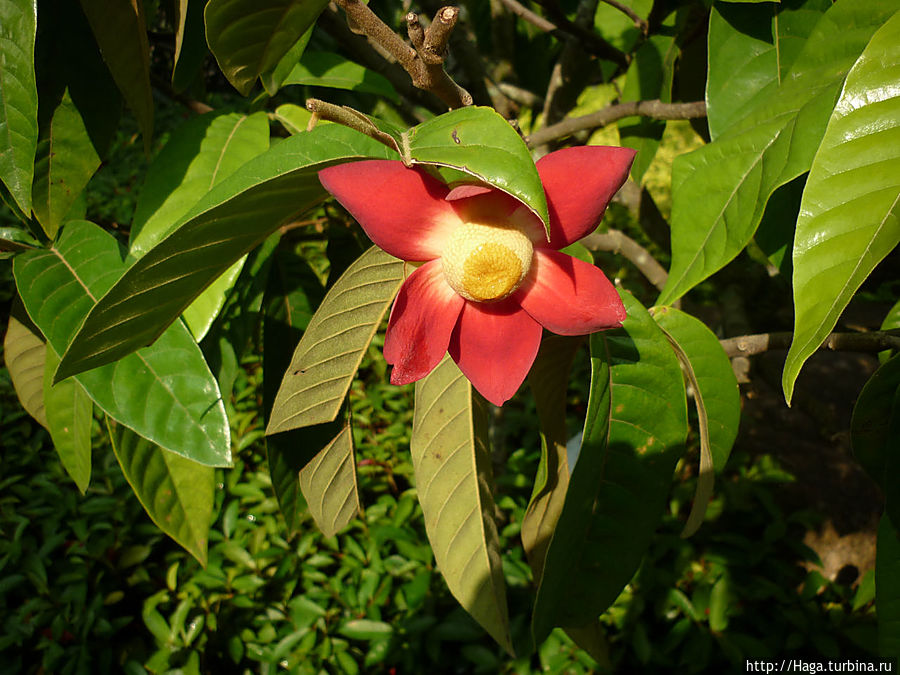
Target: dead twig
(749,345)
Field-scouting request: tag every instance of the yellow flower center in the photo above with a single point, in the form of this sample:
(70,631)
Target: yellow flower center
(486,262)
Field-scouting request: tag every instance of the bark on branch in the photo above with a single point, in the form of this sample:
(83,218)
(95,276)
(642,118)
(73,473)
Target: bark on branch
(655,109)
(618,242)
(876,341)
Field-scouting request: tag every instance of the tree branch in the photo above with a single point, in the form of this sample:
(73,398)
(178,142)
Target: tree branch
(876,341)
(655,109)
(425,65)
(619,242)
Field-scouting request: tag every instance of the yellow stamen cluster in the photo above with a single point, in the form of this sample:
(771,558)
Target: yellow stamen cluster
(486,262)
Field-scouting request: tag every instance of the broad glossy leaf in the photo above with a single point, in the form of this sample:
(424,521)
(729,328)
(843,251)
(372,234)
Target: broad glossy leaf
(887,581)
(328,483)
(238,213)
(18,98)
(248,37)
(452,463)
(332,347)
(165,392)
(24,351)
(175,492)
(66,160)
(850,212)
(751,48)
(190,43)
(181,175)
(479,142)
(549,379)
(719,191)
(121,33)
(715,377)
(634,434)
(274,78)
(327,69)
(69,419)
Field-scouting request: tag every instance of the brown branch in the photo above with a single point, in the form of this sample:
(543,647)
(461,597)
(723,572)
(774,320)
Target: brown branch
(655,109)
(876,341)
(619,242)
(630,13)
(426,65)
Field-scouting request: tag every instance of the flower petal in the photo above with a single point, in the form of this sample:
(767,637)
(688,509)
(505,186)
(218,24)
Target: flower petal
(568,296)
(422,320)
(494,345)
(578,183)
(402,210)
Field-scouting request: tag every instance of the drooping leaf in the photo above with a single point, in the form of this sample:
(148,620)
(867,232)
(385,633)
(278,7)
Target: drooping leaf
(18,98)
(887,583)
(327,69)
(328,483)
(719,191)
(181,175)
(717,384)
(248,37)
(121,32)
(273,78)
(24,351)
(238,213)
(190,43)
(175,492)
(69,418)
(549,379)
(66,160)
(165,392)
(850,212)
(480,143)
(453,474)
(751,48)
(332,347)
(634,433)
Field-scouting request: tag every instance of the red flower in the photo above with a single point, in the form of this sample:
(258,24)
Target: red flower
(490,279)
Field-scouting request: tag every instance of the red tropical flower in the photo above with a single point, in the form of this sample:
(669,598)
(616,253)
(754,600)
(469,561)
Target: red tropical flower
(490,281)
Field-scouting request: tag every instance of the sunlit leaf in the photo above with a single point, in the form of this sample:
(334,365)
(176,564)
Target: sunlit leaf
(452,462)
(121,32)
(293,117)
(175,492)
(24,351)
(165,392)
(66,160)
(616,27)
(248,37)
(634,433)
(69,418)
(332,347)
(719,191)
(850,212)
(18,98)
(238,213)
(327,69)
(328,483)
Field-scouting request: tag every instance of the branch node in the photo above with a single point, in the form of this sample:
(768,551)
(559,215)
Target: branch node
(415,31)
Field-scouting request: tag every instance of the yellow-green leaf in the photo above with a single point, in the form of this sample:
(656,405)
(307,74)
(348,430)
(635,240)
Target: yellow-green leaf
(328,484)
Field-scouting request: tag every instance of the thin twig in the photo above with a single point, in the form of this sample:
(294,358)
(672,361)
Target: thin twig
(617,241)
(630,13)
(655,109)
(876,341)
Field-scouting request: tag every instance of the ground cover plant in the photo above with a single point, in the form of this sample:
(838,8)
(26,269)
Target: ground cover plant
(342,437)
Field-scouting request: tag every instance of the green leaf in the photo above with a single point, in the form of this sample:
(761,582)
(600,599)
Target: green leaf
(751,49)
(15,239)
(887,583)
(274,78)
(248,37)
(328,483)
(18,98)
(330,351)
(190,43)
(549,379)
(181,175)
(366,629)
(480,143)
(24,352)
(634,433)
(720,190)
(66,160)
(294,118)
(69,419)
(121,32)
(850,212)
(327,69)
(712,369)
(164,392)
(616,27)
(175,492)
(453,474)
(238,213)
